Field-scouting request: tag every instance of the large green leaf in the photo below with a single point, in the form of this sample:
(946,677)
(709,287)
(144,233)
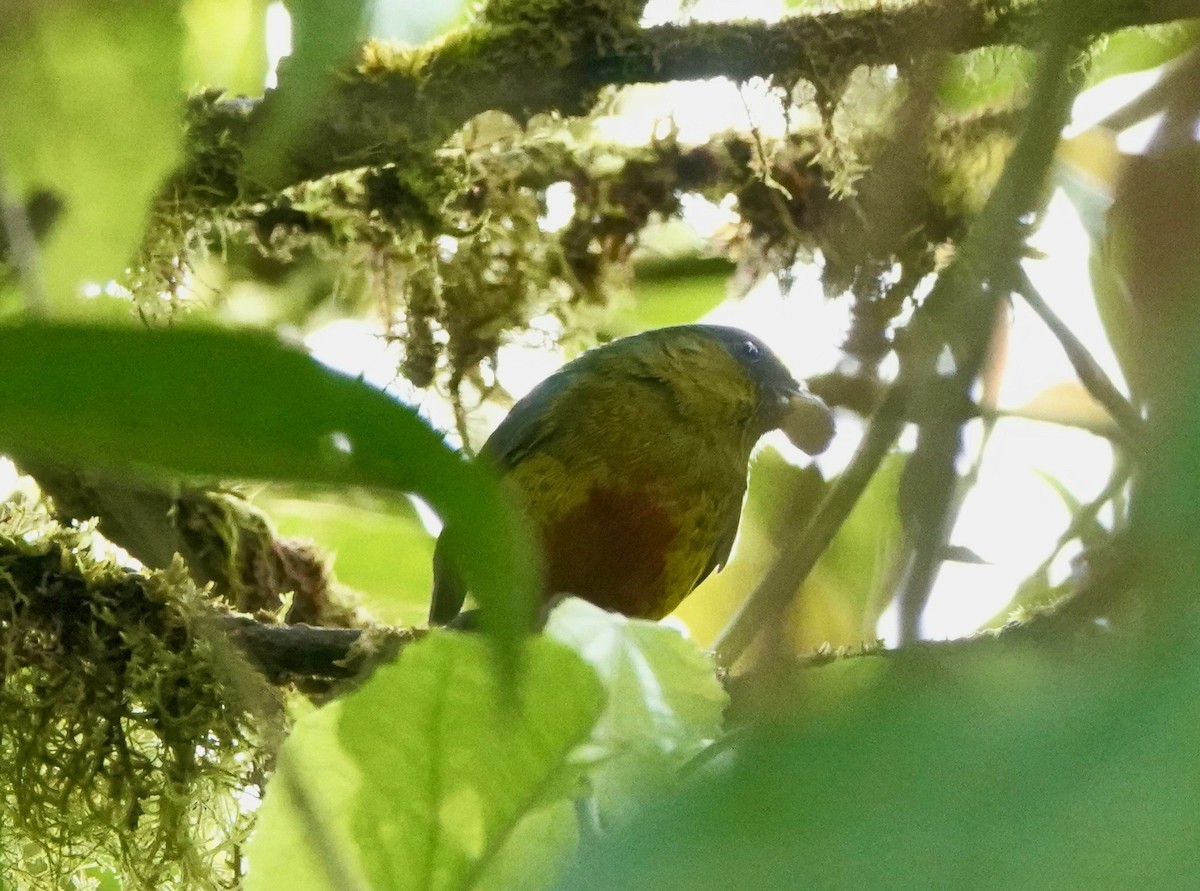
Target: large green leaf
(228,404)
(664,702)
(428,777)
(91,103)
(995,763)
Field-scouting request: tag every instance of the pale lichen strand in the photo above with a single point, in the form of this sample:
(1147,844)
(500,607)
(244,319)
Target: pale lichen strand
(446,238)
(451,247)
(126,730)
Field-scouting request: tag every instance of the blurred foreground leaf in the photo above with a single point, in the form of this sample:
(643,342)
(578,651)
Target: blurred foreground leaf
(91,103)
(427,777)
(225,404)
(999,763)
(664,701)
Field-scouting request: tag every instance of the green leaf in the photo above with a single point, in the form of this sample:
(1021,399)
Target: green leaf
(427,777)
(226,45)
(302,829)
(664,702)
(1136,49)
(91,103)
(1034,768)
(228,404)
(325,36)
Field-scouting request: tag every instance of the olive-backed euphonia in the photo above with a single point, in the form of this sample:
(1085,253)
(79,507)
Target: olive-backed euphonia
(631,462)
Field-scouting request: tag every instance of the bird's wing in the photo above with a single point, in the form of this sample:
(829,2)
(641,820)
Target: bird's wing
(521,432)
(723,545)
(527,424)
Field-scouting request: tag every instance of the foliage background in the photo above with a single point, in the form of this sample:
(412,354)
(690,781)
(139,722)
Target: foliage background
(209,573)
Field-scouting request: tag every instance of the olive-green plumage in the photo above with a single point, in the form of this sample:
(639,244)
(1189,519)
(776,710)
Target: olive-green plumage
(631,461)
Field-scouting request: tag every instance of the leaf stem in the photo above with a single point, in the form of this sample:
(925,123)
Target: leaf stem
(1091,375)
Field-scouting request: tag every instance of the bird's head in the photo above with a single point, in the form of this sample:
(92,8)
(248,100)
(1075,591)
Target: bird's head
(783,403)
(712,365)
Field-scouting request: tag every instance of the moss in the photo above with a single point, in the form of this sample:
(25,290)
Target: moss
(451,246)
(229,542)
(128,732)
(446,236)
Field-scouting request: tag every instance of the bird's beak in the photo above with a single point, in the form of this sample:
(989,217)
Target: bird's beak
(806,420)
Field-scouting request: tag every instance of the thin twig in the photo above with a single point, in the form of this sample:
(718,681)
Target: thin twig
(1179,77)
(22,249)
(796,561)
(317,657)
(1091,375)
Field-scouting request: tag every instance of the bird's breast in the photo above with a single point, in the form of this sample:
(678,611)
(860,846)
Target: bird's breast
(635,546)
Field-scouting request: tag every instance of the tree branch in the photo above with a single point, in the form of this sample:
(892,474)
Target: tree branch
(221,536)
(402,104)
(812,46)
(284,652)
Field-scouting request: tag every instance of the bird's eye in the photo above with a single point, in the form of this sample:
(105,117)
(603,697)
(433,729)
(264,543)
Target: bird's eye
(750,351)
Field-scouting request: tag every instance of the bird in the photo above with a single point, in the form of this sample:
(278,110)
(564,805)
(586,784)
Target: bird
(631,462)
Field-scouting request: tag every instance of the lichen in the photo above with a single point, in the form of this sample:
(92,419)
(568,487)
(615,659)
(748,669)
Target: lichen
(131,734)
(447,243)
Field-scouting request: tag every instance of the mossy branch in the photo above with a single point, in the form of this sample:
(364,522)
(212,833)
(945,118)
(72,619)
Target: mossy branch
(223,539)
(121,706)
(401,104)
